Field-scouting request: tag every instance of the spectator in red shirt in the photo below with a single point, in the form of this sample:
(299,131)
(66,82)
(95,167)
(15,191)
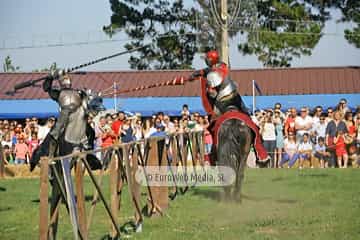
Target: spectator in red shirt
(108,137)
(118,120)
(290,123)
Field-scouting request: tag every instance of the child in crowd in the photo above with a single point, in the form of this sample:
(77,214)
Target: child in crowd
(33,143)
(340,149)
(305,150)
(21,151)
(9,157)
(321,153)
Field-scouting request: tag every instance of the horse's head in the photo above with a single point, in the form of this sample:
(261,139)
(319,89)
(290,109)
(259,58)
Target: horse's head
(95,102)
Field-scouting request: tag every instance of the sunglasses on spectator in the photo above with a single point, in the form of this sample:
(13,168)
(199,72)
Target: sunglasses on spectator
(330,111)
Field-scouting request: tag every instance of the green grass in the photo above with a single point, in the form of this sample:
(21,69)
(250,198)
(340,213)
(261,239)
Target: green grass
(277,204)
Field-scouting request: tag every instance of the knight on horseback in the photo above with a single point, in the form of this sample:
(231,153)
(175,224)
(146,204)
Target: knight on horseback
(222,101)
(74,106)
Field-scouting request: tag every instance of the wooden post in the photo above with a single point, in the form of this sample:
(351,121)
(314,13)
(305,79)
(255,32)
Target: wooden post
(114,199)
(44,195)
(163,190)
(201,146)
(80,198)
(158,193)
(133,186)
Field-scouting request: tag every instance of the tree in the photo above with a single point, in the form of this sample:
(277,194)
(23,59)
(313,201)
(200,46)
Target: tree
(167,26)
(8,65)
(286,29)
(176,33)
(351,13)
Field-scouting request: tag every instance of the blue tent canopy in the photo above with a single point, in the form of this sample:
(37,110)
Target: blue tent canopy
(42,108)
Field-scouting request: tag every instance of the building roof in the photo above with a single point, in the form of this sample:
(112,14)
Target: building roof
(276,81)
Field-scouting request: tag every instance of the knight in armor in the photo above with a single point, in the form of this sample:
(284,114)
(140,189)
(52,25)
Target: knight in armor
(220,95)
(69,100)
(227,89)
(72,105)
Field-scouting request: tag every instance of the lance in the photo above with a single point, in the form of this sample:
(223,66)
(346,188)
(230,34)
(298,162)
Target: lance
(174,82)
(57,74)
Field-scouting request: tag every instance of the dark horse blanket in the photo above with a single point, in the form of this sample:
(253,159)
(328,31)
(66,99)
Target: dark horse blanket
(258,146)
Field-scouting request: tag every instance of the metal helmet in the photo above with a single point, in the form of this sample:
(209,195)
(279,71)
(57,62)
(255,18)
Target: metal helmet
(214,79)
(212,58)
(65,81)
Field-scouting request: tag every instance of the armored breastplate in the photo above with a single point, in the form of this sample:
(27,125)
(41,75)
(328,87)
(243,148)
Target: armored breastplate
(227,98)
(70,99)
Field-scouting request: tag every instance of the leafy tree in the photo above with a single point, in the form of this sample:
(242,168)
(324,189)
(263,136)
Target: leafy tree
(8,65)
(286,29)
(351,13)
(165,25)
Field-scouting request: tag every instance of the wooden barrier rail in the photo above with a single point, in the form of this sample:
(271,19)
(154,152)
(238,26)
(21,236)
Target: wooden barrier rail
(126,159)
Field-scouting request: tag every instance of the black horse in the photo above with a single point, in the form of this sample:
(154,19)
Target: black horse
(234,144)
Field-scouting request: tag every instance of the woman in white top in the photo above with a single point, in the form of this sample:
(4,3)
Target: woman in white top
(267,131)
(290,151)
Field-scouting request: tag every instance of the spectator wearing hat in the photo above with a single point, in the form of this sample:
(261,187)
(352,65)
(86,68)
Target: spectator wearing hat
(21,150)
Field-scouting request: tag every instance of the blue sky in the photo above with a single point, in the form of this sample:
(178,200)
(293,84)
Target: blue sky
(41,22)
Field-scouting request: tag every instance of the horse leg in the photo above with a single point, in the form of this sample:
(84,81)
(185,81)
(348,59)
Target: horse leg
(239,179)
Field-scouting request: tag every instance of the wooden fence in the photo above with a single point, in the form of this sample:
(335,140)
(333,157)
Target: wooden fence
(126,159)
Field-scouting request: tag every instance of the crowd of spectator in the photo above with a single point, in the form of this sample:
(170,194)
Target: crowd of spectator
(331,136)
